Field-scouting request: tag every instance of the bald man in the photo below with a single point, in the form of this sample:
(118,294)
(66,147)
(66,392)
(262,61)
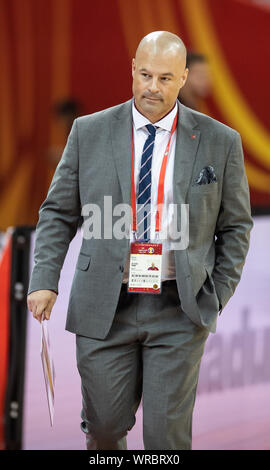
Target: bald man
(141,334)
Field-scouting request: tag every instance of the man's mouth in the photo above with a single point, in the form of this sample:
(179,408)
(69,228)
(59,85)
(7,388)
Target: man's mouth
(151,98)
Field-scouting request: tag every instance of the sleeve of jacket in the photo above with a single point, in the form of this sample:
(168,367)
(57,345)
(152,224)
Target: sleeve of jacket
(58,220)
(233,226)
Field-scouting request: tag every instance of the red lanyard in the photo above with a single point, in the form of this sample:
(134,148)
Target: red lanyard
(160,196)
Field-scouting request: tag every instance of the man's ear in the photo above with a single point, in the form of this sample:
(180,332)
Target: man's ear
(184,77)
(133,66)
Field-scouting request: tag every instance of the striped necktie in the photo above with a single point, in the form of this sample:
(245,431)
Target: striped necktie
(144,189)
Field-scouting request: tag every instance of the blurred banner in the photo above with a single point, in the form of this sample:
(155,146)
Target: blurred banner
(63,58)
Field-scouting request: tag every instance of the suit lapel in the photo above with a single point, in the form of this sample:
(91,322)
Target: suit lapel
(188,137)
(121,134)
(187,141)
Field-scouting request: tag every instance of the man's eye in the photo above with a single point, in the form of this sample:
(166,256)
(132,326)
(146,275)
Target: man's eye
(145,75)
(165,79)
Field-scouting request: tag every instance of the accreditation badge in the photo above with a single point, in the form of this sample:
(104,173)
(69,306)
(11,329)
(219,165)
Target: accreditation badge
(145,268)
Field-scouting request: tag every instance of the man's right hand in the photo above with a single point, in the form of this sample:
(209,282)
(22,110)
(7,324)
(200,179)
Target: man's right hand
(41,302)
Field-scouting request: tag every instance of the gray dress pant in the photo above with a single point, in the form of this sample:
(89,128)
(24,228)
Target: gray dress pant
(152,351)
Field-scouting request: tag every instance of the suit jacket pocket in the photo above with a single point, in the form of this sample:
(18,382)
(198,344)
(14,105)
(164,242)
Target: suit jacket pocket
(203,188)
(83,262)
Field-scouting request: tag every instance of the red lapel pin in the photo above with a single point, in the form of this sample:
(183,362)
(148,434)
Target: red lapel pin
(193,136)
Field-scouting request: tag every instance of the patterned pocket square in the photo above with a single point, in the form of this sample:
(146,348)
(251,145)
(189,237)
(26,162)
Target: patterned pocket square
(206,176)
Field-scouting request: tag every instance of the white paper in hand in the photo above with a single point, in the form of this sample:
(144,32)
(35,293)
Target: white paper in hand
(48,368)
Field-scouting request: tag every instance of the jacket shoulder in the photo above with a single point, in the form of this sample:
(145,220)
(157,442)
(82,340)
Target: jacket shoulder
(104,114)
(207,122)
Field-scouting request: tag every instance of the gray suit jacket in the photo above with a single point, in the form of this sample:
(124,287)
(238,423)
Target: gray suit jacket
(97,162)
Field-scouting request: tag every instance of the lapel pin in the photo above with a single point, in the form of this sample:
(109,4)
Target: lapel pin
(193,136)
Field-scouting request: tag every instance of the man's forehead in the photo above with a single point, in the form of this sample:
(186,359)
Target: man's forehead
(162,59)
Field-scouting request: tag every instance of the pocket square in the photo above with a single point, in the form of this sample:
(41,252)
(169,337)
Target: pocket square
(206,176)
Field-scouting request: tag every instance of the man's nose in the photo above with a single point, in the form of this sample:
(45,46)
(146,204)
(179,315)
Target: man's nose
(153,85)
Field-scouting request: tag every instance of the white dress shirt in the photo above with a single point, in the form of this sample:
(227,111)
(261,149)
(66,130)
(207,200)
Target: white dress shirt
(140,134)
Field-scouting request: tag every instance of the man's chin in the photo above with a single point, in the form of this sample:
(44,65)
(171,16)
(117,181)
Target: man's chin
(151,102)
(151,110)
(149,105)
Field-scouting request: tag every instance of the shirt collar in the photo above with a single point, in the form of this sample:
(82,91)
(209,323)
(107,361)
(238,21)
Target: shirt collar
(165,123)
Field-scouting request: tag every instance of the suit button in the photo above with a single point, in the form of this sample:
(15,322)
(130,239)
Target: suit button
(121,268)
